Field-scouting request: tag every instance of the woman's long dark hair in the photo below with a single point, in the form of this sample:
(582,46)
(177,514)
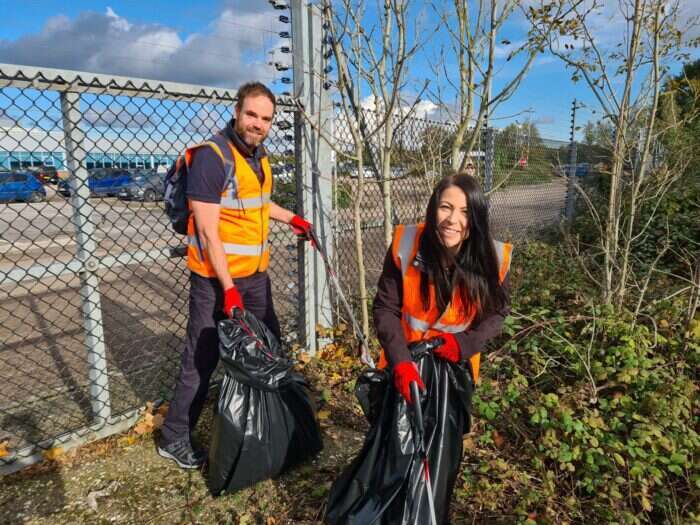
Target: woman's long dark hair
(475,268)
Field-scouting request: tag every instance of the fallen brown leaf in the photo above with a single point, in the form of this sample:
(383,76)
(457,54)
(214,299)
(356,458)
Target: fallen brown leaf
(158,421)
(3,449)
(142,428)
(498,439)
(53,453)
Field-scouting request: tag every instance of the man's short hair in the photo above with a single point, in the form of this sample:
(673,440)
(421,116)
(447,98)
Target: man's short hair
(255,89)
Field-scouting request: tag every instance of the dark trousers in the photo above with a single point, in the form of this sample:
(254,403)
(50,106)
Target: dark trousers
(201,353)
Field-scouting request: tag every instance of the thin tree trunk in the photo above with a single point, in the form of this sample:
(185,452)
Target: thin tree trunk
(612,230)
(359,244)
(386,192)
(642,168)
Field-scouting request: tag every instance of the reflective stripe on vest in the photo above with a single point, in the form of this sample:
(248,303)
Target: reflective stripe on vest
(229,200)
(235,249)
(424,326)
(405,248)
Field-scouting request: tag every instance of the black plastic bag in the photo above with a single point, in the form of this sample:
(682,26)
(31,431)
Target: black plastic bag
(265,421)
(384,484)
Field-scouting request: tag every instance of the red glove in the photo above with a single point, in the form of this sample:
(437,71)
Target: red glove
(302,228)
(232,299)
(449,350)
(404,374)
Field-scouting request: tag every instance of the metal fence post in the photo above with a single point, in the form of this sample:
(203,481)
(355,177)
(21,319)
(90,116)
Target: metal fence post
(86,253)
(313,165)
(571,172)
(489,158)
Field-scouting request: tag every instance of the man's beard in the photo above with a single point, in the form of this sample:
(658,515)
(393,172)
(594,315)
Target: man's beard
(250,138)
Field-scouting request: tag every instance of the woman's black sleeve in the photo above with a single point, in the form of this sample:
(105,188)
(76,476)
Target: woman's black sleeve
(387,313)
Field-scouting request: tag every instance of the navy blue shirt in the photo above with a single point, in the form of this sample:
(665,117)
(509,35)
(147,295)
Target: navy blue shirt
(206,178)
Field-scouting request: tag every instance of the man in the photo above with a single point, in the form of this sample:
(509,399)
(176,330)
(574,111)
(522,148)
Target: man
(227,255)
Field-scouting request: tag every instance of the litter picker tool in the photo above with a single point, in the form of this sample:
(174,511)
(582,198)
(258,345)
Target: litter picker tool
(419,441)
(365,355)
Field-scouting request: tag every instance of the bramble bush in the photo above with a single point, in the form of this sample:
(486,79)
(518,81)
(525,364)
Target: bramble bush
(583,415)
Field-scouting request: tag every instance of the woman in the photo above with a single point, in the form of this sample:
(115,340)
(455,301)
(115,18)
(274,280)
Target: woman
(442,294)
(446,278)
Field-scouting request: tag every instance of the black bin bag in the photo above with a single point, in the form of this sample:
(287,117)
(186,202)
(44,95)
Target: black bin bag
(384,484)
(265,420)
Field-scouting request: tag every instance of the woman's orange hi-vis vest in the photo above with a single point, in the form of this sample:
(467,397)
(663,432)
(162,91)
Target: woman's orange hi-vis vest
(419,323)
(243,222)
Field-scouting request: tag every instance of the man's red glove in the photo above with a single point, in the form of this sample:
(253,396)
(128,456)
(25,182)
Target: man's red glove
(449,350)
(404,374)
(302,228)
(232,299)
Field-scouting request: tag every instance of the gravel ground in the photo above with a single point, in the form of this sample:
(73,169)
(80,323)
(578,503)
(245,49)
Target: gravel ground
(122,480)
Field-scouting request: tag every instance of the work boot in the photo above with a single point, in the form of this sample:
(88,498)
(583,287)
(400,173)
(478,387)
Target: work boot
(181,453)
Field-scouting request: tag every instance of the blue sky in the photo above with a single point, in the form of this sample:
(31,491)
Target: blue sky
(225,42)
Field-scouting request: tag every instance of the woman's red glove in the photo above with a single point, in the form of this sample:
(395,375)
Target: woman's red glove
(404,374)
(449,350)
(232,299)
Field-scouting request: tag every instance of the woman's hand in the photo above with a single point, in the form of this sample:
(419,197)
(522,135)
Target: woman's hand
(449,350)
(404,374)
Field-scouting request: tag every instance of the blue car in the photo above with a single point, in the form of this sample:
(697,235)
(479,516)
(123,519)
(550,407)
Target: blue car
(582,169)
(145,185)
(103,182)
(20,186)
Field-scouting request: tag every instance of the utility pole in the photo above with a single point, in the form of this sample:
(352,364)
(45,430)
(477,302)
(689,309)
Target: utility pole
(313,168)
(571,175)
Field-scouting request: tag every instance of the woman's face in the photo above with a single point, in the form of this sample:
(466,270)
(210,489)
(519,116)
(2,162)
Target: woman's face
(452,218)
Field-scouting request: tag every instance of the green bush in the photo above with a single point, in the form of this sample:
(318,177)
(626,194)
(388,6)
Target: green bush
(343,195)
(285,194)
(582,415)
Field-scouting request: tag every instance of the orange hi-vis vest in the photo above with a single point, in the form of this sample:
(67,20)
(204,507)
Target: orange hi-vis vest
(244,218)
(418,323)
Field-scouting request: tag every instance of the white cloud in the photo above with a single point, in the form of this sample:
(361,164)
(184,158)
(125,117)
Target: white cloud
(230,52)
(425,109)
(116,116)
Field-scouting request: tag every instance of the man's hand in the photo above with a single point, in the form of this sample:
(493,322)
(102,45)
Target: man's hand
(404,374)
(232,300)
(302,228)
(449,350)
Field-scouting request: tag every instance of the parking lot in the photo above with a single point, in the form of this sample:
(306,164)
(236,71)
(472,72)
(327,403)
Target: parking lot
(44,381)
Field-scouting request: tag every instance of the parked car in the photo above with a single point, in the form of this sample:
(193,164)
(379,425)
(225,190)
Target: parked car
(21,186)
(582,169)
(103,182)
(47,174)
(145,185)
(283,172)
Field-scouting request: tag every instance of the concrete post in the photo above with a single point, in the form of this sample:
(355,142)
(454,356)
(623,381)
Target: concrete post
(313,166)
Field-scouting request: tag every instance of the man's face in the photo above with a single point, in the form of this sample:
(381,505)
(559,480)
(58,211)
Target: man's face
(254,118)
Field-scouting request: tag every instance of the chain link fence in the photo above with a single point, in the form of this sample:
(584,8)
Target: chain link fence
(93,282)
